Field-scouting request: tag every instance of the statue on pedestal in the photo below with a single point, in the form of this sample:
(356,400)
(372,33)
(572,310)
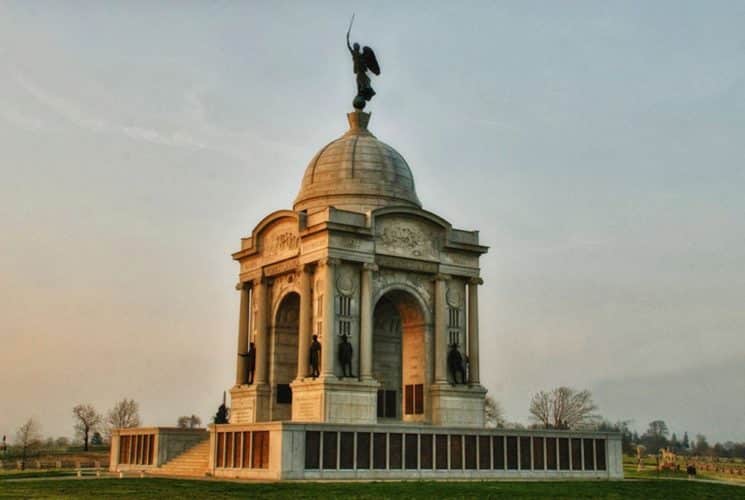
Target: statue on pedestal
(456,365)
(315,357)
(251,362)
(345,356)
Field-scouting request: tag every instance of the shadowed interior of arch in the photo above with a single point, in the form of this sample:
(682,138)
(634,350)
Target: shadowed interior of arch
(283,352)
(400,356)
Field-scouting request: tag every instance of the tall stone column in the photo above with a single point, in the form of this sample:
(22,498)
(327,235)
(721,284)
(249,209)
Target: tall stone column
(261,296)
(328,347)
(366,321)
(243,327)
(473,328)
(305,328)
(441,335)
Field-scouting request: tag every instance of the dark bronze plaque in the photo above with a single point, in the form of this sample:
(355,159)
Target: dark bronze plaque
(576,446)
(395,461)
(600,453)
(124,450)
(409,399)
(284,394)
(329,450)
(524,453)
(551,453)
(312,449)
(220,462)
(380,450)
(563,453)
(498,452)
(363,450)
(260,449)
(390,404)
(247,449)
(419,399)
(538,463)
(229,449)
(456,452)
(484,452)
(589,454)
(425,443)
(441,451)
(412,451)
(512,452)
(237,449)
(470,452)
(346,450)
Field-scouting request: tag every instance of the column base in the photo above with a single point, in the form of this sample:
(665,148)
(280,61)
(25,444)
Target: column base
(457,405)
(334,400)
(249,404)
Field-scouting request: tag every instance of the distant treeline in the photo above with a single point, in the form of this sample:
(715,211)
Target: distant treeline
(658,436)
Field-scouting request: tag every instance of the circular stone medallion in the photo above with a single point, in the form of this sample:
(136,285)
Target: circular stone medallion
(345,282)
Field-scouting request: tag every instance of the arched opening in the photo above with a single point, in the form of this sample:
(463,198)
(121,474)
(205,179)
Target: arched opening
(400,357)
(283,356)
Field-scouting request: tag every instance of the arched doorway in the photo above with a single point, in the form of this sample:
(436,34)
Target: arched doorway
(283,356)
(400,357)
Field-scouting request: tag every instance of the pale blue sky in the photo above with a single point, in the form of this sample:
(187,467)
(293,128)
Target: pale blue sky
(599,147)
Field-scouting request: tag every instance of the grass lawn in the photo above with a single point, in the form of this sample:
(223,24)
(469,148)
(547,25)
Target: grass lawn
(161,489)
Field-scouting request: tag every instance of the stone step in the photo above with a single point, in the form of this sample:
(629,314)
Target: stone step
(192,462)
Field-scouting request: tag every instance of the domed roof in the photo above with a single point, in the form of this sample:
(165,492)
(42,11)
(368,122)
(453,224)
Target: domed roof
(357,172)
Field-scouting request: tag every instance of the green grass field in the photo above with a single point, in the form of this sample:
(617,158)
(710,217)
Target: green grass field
(152,488)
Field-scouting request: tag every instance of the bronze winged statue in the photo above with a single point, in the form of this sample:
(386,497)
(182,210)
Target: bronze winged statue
(363,61)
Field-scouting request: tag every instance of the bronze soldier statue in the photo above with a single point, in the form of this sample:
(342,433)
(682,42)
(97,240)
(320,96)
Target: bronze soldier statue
(455,365)
(363,61)
(345,356)
(315,357)
(251,362)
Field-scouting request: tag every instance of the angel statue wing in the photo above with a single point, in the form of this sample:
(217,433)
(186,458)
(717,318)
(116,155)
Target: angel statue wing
(371,62)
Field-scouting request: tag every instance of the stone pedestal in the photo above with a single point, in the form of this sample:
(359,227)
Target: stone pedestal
(460,405)
(249,403)
(334,401)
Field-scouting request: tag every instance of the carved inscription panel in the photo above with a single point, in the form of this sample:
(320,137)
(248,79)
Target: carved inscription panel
(280,241)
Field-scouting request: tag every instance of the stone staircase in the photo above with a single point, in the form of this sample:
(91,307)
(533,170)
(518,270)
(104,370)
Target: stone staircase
(194,462)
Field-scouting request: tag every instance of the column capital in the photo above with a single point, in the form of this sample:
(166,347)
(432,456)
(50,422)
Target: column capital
(475,281)
(262,280)
(306,268)
(243,285)
(441,277)
(329,261)
(370,266)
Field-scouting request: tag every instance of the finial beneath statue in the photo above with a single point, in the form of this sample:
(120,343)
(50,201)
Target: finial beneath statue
(363,61)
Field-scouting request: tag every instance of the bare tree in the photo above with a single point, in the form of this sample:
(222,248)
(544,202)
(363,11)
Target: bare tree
(124,414)
(192,422)
(28,437)
(493,414)
(563,408)
(87,420)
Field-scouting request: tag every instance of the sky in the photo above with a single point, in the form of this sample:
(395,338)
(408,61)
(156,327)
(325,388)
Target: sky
(598,147)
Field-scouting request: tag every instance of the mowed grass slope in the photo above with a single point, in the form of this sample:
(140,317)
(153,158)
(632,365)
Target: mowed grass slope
(156,488)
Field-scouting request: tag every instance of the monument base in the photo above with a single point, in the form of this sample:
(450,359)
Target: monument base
(249,404)
(461,405)
(334,400)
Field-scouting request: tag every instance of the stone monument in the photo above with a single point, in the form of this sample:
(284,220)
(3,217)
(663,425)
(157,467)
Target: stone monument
(359,309)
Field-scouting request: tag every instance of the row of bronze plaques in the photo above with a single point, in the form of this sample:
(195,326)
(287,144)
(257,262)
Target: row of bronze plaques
(242,450)
(137,449)
(380,450)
